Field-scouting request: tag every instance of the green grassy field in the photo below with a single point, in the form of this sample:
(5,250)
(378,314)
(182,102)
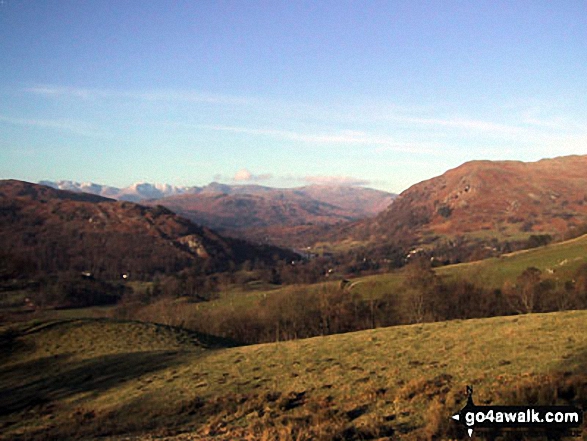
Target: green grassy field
(240,299)
(560,260)
(63,376)
(104,378)
(557,261)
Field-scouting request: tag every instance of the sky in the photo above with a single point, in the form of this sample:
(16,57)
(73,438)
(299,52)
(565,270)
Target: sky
(383,94)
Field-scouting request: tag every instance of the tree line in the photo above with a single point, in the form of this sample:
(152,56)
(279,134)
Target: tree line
(302,311)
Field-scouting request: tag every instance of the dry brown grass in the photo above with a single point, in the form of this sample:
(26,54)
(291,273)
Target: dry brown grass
(114,379)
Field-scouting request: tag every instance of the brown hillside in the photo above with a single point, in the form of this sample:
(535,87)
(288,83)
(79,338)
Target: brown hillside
(280,216)
(501,198)
(238,211)
(53,230)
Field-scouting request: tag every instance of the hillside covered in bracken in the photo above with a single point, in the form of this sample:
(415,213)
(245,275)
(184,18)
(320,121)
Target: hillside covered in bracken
(501,200)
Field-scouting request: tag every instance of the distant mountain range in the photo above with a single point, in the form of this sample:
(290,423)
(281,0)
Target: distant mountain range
(480,206)
(359,201)
(133,193)
(279,216)
(254,212)
(477,202)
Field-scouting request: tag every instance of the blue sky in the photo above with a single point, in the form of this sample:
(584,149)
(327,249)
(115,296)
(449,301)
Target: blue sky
(286,93)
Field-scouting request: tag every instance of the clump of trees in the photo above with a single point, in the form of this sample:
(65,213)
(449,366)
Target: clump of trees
(426,297)
(539,240)
(74,290)
(532,292)
(287,315)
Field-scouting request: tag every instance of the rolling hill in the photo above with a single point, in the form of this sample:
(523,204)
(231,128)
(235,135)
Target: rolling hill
(242,207)
(115,379)
(61,381)
(355,202)
(285,217)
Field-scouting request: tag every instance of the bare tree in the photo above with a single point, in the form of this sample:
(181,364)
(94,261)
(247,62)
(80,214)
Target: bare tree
(523,295)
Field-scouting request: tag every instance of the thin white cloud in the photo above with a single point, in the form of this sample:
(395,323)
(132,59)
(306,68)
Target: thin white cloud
(465,124)
(556,124)
(343,137)
(415,130)
(347,137)
(526,125)
(52,91)
(151,95)
(348,181)
(429,148)
(76,127)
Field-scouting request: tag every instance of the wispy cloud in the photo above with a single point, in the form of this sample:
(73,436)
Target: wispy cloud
(543,136)
(53,91)
(244,175)
(464,124)
(90,94)
(348,181)
(384,127)
(527,122)
(76,127)
(347,137)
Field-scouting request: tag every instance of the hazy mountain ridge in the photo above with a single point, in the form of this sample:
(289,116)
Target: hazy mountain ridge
(482,200)
(363,201)
(282,216)
(286,207)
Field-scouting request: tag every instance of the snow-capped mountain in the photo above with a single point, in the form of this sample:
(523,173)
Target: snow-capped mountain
(136,192)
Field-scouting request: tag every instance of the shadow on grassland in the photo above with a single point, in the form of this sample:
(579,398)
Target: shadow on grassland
(564,385)
(40,381)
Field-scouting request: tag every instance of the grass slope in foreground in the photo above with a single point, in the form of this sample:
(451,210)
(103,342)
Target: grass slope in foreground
(91,378)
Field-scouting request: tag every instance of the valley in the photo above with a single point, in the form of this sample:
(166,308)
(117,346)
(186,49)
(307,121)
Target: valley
(131,320)
(293,220)
(288,217)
